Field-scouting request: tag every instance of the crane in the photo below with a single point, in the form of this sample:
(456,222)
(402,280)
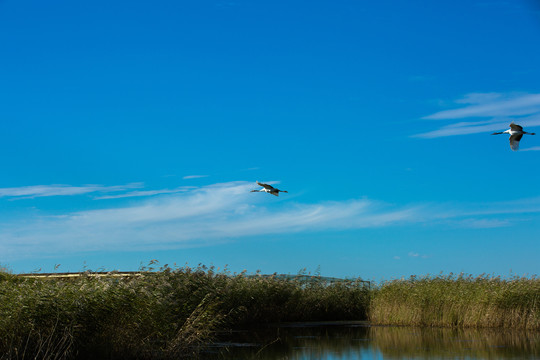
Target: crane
(516,133)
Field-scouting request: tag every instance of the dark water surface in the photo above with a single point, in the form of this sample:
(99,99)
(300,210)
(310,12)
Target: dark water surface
(359,340)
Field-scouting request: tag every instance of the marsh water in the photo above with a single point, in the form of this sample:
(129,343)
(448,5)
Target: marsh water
(360,340)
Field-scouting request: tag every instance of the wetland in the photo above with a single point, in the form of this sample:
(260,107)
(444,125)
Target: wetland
(186,312)
(361,340)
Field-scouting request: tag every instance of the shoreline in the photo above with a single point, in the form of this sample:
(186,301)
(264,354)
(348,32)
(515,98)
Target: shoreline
(178,312)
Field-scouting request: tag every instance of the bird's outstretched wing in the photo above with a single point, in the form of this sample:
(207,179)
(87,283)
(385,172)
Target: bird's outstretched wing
(516,127)
(266,186)
(514,141)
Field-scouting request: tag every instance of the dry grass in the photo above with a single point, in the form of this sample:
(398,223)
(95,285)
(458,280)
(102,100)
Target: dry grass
(460,301)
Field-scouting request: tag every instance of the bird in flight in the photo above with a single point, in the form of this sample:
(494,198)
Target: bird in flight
(268,189)
(516,133)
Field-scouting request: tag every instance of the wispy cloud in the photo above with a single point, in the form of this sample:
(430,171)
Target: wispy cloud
(499,109)
(474,223)
(227,211)
(491,105)
(145,193)
(194,177)
(212,214)
(62,190)
(534,148)
(417,255)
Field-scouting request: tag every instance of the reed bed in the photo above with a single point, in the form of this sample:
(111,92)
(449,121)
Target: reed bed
(170,313)
(174,313)
(458,301)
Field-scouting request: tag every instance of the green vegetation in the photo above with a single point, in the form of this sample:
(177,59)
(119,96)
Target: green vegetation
(156,315)
(460,301)
(173,313)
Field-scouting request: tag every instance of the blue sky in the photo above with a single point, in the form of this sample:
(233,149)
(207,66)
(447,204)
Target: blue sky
(132,131)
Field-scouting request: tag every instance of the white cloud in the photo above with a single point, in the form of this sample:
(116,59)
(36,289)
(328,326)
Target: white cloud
(227,211)
(534,148)
(491,105)
(194,177)
(145,193)
(518,206)
(500,109)
(212,214)
(62,190)
(483,223)
(466,128)
(417,255)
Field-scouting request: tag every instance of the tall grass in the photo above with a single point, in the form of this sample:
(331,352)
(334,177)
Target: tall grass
(173,313)
(157,315)
(461,301)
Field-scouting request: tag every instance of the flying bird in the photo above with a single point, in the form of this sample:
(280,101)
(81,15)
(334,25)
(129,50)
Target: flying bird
(268,189)
(516,133)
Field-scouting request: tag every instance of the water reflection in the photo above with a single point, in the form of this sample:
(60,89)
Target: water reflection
(334,341)
(455,344)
